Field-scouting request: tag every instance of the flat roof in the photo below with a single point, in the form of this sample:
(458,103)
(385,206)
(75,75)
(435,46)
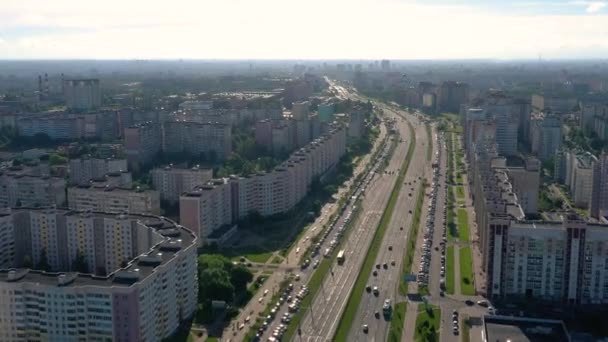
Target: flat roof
(172,239)
(522,329)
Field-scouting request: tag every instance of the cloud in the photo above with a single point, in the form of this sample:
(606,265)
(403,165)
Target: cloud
(297,29)
(590,6)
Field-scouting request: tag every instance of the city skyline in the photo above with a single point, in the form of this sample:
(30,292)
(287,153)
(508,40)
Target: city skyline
(289,30)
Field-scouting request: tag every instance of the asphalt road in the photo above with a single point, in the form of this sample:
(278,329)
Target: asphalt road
(388,280)
(323,316)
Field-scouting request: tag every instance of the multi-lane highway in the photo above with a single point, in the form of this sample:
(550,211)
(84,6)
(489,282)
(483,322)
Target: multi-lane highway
(323,317)
(393,246)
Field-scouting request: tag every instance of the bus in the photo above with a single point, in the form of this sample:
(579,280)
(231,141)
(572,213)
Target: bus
(341,257)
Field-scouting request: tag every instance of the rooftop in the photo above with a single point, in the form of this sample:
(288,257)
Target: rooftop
(522,329)
(171,239)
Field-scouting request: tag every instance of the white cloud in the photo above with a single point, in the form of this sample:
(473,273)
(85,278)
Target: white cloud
(595,6)
(291,29)
(590,6)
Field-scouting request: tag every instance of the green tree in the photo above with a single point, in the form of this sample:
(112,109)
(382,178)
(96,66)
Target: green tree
(239,277)
(214,284)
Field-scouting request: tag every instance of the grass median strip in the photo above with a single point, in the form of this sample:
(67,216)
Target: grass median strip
(449,270)
(467,285)
(397,320)
(427,323)
(463,225)
(354,299)
(412,237)
(459,192)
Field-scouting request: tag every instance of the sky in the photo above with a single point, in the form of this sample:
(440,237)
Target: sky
(303,29)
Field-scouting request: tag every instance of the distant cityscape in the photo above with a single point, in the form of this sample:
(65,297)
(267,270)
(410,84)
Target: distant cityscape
(303,200)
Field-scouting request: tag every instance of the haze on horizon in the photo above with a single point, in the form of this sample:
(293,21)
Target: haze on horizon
(312,29)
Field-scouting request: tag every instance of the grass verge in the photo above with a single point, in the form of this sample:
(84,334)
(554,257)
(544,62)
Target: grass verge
(466,329)
(427,323)
(410,249)
(259,257)
(449,270)
(467,285)
(397,320)
(463,225)
(459,192)
(348,316)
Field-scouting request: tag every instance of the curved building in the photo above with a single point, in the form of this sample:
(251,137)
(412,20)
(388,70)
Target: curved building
(95,276)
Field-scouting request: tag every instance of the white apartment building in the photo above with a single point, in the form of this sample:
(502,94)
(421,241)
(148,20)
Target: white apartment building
(558,261)
(171,182)
(207,208)
(223,202)
(82,170)
(145,300)
(214,140)
(82,94)
(18,189)
(113,200)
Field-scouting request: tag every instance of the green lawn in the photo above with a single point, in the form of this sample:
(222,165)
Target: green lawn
(356,294)
(463,225)
(277,260)
(467,285)
(459,192)
(449,270)
(397,319)
(427,323)
(412,237)
(465,331)
(260,258)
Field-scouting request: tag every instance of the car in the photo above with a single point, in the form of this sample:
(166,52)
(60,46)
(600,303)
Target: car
(376,290)
(375,273)
(390,248)
(365,328)
(483,303)
(393,262)
(377,314)
(378,266)
(368,288)
(385,266)
(469,302)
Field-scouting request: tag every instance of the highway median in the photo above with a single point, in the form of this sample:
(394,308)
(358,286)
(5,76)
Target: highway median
(354,299)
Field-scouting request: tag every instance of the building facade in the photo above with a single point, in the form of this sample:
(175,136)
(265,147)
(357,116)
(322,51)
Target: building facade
(105,198)
(141,283)
(82,170)
(171,182)
(82,94)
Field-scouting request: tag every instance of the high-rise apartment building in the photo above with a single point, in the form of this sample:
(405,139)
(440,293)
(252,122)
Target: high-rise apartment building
(214,140)
(452,95)
(82,170)
(95,276)
(225,201)
(171,181)
(82,94)
(142,142)
(599,193)
(546,136)
(105,198)
(19,188)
